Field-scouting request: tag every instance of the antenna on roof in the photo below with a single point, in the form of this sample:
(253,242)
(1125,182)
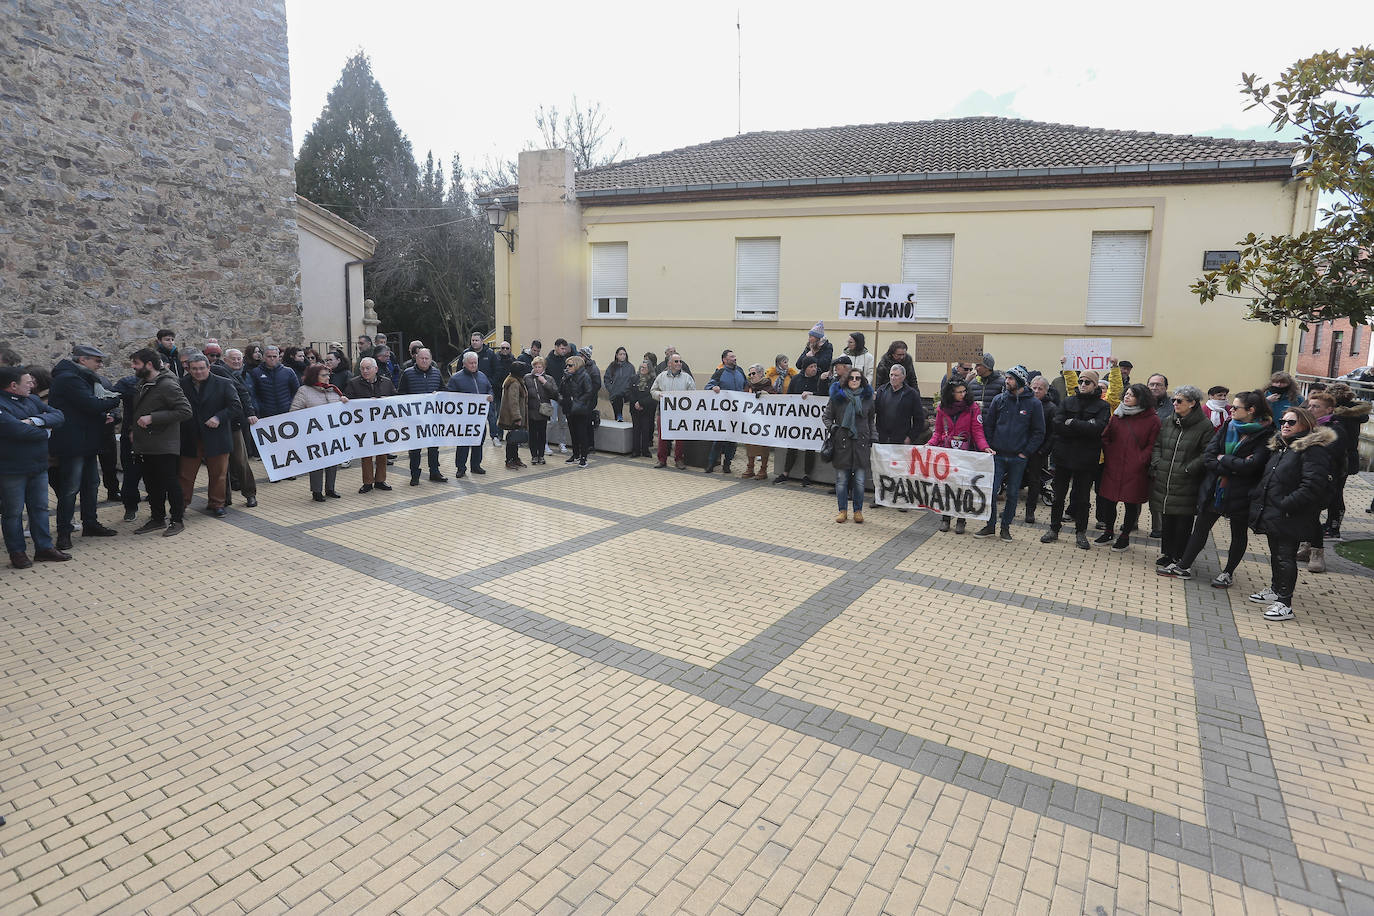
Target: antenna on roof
(739,76)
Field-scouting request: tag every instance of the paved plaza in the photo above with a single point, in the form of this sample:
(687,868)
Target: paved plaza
(630,690)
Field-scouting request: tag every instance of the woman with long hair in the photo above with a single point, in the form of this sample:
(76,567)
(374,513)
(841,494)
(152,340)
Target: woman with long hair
(1235,459)
(851,418)
(860,357)
(316,389)
(617,379)
(958,426)
(1287,502)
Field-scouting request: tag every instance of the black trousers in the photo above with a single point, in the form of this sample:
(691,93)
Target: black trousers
(1240,539)
(1081,480)
(618,406)
(1283,566)
(642,437)
(1175,530)
(133,473)
(415,461)
(580,429)
(539,435)
(1106,514)
(161,474)
(109,464)
(808,463)
(1037,472)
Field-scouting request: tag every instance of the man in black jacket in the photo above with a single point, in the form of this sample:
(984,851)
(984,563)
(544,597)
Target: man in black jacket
(500,370)
(901,416)
(423,378)
(78,394)
(1078,429)
(240,471)
(207,438)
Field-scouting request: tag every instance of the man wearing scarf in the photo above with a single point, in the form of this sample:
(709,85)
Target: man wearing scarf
(1015,427)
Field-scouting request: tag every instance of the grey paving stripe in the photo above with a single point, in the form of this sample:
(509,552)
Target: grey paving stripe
(1306,658)
(1250,845)
(787,634)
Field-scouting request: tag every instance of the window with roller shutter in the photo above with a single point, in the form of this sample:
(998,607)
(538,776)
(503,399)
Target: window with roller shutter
(610,279)
(928,262)
(1116,278)
(756,278)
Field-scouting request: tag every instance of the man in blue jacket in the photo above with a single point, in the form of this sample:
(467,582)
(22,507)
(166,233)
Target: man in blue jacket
(470,380)
(423,378)
(86,404)
(727,377)
(272,384)
(1015,427)
(25,424)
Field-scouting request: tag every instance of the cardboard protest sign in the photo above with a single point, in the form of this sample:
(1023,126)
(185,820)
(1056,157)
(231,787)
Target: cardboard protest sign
(307,440)
(775,420)
(1088,353)
(878,301)
(947,481)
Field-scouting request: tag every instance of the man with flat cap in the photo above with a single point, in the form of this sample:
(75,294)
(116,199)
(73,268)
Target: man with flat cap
(88,407)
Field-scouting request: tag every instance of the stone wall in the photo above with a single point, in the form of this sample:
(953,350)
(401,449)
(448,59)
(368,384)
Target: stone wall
(146,174)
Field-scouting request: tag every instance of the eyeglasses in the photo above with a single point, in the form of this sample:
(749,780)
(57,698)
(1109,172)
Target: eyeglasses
(1288,422)
(1180,400)
(1233,408)
(503,348)
(1086,382)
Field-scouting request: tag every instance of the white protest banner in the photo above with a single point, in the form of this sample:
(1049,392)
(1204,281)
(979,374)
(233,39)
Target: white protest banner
(775,420)
(1088,353)
(318,437)
(944,480)
(878,301)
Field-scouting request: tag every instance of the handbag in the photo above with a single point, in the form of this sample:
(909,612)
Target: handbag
(546,411)
(518,436)
(828,448)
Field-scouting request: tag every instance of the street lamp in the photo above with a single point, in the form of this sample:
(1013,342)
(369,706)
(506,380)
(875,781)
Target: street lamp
(496,218)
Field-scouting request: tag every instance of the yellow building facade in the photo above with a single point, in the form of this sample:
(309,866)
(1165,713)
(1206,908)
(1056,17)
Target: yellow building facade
(1026,260)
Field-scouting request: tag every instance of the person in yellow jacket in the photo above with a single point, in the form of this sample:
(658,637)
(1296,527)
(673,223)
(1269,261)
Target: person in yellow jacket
(1113,394)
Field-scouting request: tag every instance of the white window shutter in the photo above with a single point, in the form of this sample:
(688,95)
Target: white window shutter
(756,277)
(1116,277)
(928,261)
(610,278)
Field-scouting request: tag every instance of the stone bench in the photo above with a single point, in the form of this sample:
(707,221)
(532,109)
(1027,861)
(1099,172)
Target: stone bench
(613,437)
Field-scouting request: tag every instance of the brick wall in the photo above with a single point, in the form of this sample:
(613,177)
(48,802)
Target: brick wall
(1316,345)
(145,174)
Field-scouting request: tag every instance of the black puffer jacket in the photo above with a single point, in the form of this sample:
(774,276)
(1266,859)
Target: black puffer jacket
(1235,474)
(1296,486)
(578,392)
(1078,429)
(73,393)
(1351,415)
(853,452)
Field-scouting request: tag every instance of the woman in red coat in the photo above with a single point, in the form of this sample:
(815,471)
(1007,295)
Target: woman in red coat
(1127,446)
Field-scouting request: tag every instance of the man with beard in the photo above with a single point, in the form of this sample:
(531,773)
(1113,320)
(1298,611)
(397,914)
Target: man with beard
(158,408)
(207,436)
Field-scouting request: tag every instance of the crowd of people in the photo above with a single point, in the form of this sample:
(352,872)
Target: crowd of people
(1264,460)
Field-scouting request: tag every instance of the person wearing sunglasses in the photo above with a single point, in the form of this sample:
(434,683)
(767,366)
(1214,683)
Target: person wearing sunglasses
(850,416)
(1078,429)
(1288,501)
(1235,459)
(1177,467)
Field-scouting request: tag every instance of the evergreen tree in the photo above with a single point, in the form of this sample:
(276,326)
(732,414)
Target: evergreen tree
(355,157)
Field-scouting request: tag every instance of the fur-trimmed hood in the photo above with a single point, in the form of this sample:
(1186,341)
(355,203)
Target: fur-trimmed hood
(1359,410)
(1322,435)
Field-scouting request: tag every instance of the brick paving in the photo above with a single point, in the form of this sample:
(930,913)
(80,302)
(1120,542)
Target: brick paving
(630,690)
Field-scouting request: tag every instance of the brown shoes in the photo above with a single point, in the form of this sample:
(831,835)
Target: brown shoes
(20,560)
(51,555)
(858,517)
(841,518)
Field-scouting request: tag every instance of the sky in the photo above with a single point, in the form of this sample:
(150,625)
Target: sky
(467,78)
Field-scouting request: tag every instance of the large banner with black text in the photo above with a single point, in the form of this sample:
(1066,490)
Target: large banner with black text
(318,437)
(774,420)
(944,480)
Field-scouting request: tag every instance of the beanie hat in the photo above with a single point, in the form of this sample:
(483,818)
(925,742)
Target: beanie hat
(519,369)
(818,330)
(1091,375)
(1019,373)
(988,360)
(586,351)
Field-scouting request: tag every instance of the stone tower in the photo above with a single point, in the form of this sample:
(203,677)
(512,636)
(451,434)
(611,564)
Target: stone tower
(146,174)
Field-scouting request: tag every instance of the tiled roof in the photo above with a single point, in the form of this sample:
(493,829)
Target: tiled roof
(960,145)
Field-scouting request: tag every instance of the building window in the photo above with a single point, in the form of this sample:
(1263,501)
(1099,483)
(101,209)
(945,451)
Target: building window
(1355,339)
(928,262)
(756,277)
(1317,337)
(1302,339)
(1116,277)
(610,279)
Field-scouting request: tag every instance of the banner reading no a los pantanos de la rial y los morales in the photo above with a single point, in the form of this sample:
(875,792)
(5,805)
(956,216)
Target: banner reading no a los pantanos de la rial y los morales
(774,420)
(307,440)
(947,481)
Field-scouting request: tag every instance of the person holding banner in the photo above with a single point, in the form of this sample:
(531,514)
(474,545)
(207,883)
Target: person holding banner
(804,383)
(1015,428)
(370,383)
(470,380)
(673,378)
(729,377)
(958,425)
(316,390)
(850,417)
(759,386)
(422,378)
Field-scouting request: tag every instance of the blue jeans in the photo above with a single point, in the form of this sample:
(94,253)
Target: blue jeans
(716,449)
(493,414)
(843,487)
(1009,468)
(18,491)
(78,475)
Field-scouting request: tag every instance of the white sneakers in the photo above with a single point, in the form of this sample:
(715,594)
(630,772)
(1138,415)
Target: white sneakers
(1264,596)
(1278,611)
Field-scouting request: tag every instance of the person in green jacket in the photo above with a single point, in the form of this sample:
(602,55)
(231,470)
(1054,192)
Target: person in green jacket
(1176,470)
